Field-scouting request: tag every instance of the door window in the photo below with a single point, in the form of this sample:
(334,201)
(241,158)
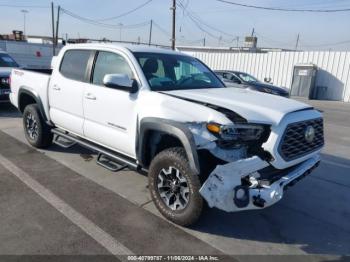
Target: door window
(74,64)
(235,79)
(109,63)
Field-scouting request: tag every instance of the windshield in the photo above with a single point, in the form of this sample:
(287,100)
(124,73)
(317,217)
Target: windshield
(247,78)
(7,61)
(165,72)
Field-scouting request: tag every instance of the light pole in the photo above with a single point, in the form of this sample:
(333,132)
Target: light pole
(25,12)
(120,31)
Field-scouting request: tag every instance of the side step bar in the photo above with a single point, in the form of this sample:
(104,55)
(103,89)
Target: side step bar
(63,142)
(106,158)
(110,164)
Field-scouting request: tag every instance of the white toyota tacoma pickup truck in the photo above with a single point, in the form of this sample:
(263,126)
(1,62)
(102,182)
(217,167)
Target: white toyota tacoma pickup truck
(167,114)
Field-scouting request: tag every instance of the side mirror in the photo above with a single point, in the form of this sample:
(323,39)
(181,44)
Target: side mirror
(121,82)
(267,79)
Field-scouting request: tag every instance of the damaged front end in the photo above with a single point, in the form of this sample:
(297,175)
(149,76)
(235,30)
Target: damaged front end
(242,178)
(239,186)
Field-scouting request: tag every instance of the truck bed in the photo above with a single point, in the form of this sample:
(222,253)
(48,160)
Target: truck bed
(34,80)
(42,71)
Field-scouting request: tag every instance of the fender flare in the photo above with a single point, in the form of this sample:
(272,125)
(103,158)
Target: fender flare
(37,99)
(173,128)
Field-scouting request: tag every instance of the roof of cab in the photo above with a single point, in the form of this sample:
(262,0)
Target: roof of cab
(130,47)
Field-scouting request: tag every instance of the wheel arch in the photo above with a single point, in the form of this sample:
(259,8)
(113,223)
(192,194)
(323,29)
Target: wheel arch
(165,131)
(27,97)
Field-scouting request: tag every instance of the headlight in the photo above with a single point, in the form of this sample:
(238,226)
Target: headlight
(239,132)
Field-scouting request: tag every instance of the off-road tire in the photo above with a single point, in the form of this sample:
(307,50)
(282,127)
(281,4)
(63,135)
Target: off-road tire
(176,157)
(44,137)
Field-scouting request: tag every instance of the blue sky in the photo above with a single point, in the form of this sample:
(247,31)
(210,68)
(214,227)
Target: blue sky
(274,29)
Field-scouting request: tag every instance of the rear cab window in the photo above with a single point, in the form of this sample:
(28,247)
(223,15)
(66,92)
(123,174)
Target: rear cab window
(74,64)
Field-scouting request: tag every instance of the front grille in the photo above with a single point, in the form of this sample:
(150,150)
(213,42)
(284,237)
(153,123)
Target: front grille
(294,143)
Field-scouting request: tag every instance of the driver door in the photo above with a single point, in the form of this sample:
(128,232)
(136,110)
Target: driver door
(110,116)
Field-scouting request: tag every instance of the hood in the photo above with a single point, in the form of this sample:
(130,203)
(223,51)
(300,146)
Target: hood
(5,71)
(255,107)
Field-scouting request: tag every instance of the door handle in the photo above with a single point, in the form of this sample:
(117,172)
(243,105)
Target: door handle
(57,88)
(90,96)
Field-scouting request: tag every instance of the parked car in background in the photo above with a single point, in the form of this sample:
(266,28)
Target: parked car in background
(244,80)
(7,63)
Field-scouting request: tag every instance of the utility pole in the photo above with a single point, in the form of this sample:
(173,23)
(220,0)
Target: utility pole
(25,12)
(150,33)
(120,31)
(297,43)
(220,40)
(58,23)
(53,28)
(173,38)
(253,32)
(204,41)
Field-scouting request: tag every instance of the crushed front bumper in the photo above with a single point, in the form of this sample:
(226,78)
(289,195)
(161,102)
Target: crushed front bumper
(224,188)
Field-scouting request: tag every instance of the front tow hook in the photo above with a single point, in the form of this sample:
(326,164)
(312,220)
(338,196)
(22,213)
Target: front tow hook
(258,201)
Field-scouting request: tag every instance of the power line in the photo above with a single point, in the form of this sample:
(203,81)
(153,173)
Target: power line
(24,6)
(165,32)
(325,4)
(285,9)
(112,26)
(329,44)
(200,24)
(126,13)
(191,14)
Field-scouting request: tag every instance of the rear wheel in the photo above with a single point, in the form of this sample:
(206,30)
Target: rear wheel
(37,132)
(175,188)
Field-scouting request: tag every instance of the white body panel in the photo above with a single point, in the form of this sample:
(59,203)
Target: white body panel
(35,83)
(254,106)
(110,118)
(66,103)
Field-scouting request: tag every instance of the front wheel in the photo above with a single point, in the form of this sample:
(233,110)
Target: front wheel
(37,132)
(175,188)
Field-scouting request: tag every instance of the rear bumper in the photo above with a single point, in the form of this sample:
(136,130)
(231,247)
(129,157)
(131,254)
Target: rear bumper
(225,189)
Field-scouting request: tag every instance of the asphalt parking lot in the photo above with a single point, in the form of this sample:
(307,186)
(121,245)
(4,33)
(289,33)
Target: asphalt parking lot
(59,202)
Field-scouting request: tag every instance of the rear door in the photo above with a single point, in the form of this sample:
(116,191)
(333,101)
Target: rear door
(66,90)
(110,115)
